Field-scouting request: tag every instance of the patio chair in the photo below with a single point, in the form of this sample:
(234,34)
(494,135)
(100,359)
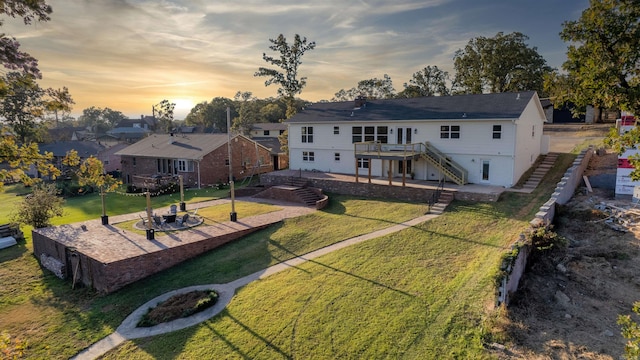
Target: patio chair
(195,212)
(183,219)
(173,209)
(144,221)
(159,221)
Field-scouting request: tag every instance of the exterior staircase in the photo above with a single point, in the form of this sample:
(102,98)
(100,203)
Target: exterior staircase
(445,198)
(298,182)
(448,167)
(307,196)
(547,163)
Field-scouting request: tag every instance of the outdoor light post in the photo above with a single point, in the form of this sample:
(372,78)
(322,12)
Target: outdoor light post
(150,232)
(183,206)
(105,218)
(233,215)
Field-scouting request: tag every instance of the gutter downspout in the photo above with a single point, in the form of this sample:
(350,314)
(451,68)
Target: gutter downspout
(199,183)
(514,157)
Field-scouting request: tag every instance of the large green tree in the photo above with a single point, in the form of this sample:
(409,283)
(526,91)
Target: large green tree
(10,55)
(285,74)
(58,103)
(430,81)
(163,111)
(373,88)
(499,64)
(212,115)
(603,58)
(100,120)
(22,106)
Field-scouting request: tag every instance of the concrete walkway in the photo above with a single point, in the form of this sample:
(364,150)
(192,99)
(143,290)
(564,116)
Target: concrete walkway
(128,330)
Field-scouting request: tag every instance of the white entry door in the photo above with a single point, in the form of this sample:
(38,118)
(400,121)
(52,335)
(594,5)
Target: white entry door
(485,170)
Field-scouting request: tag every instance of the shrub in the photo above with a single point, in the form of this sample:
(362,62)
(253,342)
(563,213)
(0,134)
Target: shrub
(181,305)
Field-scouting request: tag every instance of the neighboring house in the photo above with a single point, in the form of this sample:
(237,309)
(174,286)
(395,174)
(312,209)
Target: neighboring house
(201,159)
(263,130)
(110,160)
(484,139)
(129,134)
(279,158)
(145,122)
(60,149)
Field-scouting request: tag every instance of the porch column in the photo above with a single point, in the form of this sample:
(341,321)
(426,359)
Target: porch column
(389,171)
(404,172)
(356,170)
(369,171)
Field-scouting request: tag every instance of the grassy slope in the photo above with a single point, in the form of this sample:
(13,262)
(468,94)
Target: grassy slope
(57,322)
(420,293)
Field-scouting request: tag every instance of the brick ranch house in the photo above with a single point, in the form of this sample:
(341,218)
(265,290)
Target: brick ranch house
(201,159)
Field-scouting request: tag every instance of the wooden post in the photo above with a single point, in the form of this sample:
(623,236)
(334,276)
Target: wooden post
(369,171)
(404,172)
(357,170)
(389,171)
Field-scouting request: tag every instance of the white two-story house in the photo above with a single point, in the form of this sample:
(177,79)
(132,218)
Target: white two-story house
(483,139)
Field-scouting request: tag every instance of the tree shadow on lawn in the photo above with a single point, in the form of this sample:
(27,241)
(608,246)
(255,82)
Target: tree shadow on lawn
(338,270)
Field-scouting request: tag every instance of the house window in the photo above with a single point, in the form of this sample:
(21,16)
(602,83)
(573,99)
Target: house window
(133,161)
(265,132)
(281,132)
(308,156)
(336,130)
(106,162)
(369,133)
(450,132)
(307,134)
(184,165)
(226,162)
(363,163)
(497,131)
(356,134)
(336,157)
(382,134)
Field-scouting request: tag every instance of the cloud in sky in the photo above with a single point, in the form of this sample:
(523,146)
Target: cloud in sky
(130,54)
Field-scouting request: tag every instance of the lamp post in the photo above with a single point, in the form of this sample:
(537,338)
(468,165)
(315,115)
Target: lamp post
(183,206)
(150,232)
(105,218)
(233,214)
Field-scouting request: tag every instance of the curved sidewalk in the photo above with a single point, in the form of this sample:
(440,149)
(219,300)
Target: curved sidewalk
(128,330)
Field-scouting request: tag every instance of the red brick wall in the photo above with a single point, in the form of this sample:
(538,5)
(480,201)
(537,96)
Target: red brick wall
(213,167)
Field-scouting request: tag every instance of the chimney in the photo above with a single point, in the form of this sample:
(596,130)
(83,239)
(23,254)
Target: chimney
(360,101)
(141,117)
(170,138)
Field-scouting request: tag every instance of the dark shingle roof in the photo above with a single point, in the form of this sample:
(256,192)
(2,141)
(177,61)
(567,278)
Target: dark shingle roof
(271,143)
(477,106)
(84,148)
(269,126)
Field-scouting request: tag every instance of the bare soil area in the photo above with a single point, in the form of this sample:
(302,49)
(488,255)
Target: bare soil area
(569,300)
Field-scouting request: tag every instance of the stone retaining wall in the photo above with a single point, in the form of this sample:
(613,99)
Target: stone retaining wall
(563,193)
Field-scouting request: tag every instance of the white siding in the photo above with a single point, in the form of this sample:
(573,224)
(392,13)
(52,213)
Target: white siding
(508,161)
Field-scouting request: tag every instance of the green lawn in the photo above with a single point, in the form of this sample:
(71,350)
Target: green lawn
(424,292)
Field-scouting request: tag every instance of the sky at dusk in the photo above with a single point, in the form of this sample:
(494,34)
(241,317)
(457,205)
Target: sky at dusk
(128,54)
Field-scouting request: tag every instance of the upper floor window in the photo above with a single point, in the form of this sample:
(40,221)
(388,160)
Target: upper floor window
(336,130)
(307,134)
(308,156)
(450,132)
(370,133)
(497,131)
(265,132)
(336,157)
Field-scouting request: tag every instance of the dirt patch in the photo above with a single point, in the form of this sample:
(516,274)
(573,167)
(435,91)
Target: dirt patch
(178,306)
(569,301)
